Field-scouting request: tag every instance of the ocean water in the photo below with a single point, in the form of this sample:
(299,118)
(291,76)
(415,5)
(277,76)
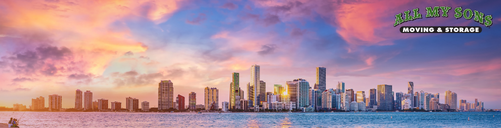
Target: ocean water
(345,119)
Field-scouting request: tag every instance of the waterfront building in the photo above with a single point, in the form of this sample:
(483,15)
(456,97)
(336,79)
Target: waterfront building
(225,106)
(255,82)
(19,107)
(327,99)
(351,92)
(78,99)
(434,104)
(38,103)
(193,100)
(165,95)
(451,99)
(145,106)
(360,96)
(462,105)
(303,92)
(95,105)
(88,100)
(421,99)
(410,90)
(244,104)
(211,98)
(250,91)
(200,106)
(116,106)
(55,102)
(102,104)
(234,89)
(321,82)
(292,92)
(340,85)
(361,106)
(131,104)
(406,104)
(372,98)
(180,101)
(398,99)
(384,97)
(346,101)
(354,106)
(427,101)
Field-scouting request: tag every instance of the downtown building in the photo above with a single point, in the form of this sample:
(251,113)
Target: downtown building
(410,90)
(55,102)
(192,101)
(78,99)
(234,90)
(254,84)
(211,99)
(88,100)
(384,97)
(321,82)
(180,101)
(165,95)
(372,98)
(451,99)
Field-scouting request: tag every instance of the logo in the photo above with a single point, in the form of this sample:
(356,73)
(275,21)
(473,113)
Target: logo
(434,12)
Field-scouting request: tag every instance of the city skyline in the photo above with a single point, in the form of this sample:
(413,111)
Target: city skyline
(119,49)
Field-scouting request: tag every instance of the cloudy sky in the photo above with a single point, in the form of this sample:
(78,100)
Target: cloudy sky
(119,49)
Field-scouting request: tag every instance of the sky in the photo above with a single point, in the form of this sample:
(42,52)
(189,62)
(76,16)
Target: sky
(119,49)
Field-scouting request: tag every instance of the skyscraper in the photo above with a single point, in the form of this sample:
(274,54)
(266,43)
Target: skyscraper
(254,82)
(321,71)
(116,106)
(372,98)
(462,104)
(451,99)
(102,104)
(131,104)
(302,93)
(340,85)
(165,95)
(261,92)
(351,92)
(384,99)
(78,99)
(211,98)
(193,100)
(88,100)
(234,89)
(55,102)
(292,92)
(398,99)
(180,100)
(360,96)
(278,90)
(410,90)
(250,95)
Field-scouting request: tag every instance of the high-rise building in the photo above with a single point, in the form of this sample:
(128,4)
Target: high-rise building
(131,104)
(180,100)
(102,104)
(234,89)
(145,106)
(372,98)
(193,100)
(427,101)
(384,97)
(410,90)
(250,95)
(116,106)
(38,103)
(278,90)
(302,93)
(254,82)
(451,99)
(241,94)
(398,99)
(78,99)
(434,104)
(292,93)
(211,98)
(261,92)
(340,85)
(321,72)
(474,104)
(360,96)
(416,99)
(327,100)
(462,104)
(351,92)
(224,106)
(55,102)
(421,99)
(437,96)
(88,100)
(165,95)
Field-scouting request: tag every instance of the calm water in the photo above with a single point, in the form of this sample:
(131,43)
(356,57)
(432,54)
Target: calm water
(371,119)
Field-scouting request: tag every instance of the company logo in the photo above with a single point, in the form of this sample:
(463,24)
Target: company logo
(434,12)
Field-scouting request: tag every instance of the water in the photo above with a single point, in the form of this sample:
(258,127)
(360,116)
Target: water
(369,119)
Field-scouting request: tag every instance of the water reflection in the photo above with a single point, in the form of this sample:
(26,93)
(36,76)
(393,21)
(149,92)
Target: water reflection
(286,123)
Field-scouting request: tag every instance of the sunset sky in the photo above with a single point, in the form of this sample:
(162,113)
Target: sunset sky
(118,49)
